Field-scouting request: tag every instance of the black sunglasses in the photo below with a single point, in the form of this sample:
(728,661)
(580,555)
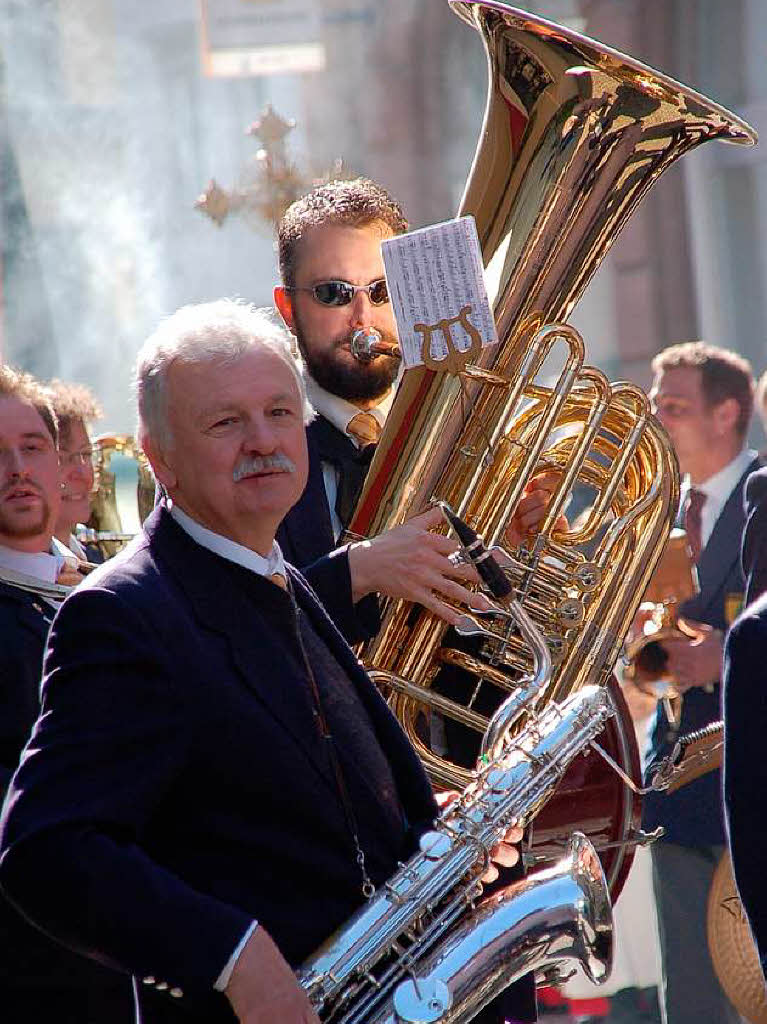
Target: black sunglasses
(341,293)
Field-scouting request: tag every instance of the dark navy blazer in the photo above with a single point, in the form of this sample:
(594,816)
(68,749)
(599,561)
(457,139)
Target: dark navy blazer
(693,815)
(745,764)
(754,551)
(59,982)
(176,785)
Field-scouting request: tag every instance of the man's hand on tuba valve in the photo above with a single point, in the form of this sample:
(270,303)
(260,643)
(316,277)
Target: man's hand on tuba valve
(411,562)
(532,508)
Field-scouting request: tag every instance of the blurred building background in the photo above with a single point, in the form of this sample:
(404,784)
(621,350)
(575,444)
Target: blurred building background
(110,127)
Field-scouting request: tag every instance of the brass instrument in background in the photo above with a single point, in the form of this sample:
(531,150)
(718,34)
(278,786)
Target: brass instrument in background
(674,581)
(105,526)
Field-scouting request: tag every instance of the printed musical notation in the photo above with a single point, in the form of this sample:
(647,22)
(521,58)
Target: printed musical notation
(437,288)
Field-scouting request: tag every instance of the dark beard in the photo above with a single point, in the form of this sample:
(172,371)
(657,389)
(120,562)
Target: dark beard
(360,382)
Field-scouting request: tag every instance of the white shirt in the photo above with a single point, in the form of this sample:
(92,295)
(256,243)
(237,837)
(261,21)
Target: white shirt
(340,413)
(42,565)
(264,566)
(718,489)
(230,549)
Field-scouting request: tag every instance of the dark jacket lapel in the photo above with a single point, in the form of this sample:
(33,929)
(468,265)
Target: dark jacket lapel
(306,532)
(720,554)
(257,620)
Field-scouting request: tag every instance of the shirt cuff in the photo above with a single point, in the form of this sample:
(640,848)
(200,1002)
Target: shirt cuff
(223,979)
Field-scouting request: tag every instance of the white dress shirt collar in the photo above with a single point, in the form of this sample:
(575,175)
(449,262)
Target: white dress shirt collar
(718,489)
(230,549)
(41,565)
(339,412)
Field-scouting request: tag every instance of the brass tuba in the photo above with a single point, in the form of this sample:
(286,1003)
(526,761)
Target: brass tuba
(574,135)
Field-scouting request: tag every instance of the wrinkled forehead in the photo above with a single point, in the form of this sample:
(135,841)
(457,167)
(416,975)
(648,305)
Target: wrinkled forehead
(251,378)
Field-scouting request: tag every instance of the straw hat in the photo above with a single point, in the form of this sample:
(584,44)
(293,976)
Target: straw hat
(732,949)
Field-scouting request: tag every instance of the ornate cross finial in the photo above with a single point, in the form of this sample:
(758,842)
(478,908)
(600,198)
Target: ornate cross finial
(269,182)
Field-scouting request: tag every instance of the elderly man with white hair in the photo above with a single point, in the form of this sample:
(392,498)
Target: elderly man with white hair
(213,779)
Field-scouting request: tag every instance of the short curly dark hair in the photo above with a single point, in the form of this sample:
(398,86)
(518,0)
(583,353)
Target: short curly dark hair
(17,384)
(723,373)
(72,403)
(355,204)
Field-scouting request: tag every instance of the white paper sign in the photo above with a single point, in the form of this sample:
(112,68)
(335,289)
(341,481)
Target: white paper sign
(437,289)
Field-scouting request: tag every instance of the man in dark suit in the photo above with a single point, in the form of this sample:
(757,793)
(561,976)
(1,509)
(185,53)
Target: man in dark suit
(214,780)
(704,397)
(745,766)
(38,979)
(332,285)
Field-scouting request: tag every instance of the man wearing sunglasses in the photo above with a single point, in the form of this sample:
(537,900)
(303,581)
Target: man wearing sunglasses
(333,285)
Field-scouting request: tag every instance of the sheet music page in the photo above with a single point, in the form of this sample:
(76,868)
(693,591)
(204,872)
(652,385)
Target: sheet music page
(435,280)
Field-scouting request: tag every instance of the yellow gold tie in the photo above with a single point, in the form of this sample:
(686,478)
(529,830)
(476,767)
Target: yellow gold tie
(279,579)
(364,428)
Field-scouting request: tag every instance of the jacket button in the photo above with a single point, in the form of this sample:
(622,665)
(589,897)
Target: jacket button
(149,980)
(176,993)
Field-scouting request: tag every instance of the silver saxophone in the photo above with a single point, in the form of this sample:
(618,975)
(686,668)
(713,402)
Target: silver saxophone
(421,949)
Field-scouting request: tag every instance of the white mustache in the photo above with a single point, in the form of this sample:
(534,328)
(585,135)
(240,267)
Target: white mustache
(263,464)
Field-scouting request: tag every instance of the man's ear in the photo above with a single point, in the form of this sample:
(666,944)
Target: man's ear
(283,302)
(726,415)
(162,470)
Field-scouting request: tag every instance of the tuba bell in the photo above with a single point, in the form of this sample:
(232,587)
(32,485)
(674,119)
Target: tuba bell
(574,136)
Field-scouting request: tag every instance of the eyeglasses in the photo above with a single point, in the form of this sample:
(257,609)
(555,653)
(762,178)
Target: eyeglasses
(82,458)
(341,293)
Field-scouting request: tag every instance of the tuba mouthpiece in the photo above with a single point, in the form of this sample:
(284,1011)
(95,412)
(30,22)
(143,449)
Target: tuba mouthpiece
(367,344)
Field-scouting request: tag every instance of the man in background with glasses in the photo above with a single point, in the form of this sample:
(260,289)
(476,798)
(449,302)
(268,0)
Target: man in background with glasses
(76,407)
(333,285)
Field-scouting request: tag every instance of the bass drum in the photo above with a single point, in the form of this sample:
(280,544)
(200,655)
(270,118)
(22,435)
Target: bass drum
(593,799)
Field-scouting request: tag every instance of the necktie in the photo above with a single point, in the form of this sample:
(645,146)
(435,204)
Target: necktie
(364,428)
(350,461)
(279,579)
(693,520)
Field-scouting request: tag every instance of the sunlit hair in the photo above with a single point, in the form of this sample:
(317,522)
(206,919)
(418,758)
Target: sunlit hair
(723,374)
(211,332)
(72,403)
(352,204)
(17,384)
